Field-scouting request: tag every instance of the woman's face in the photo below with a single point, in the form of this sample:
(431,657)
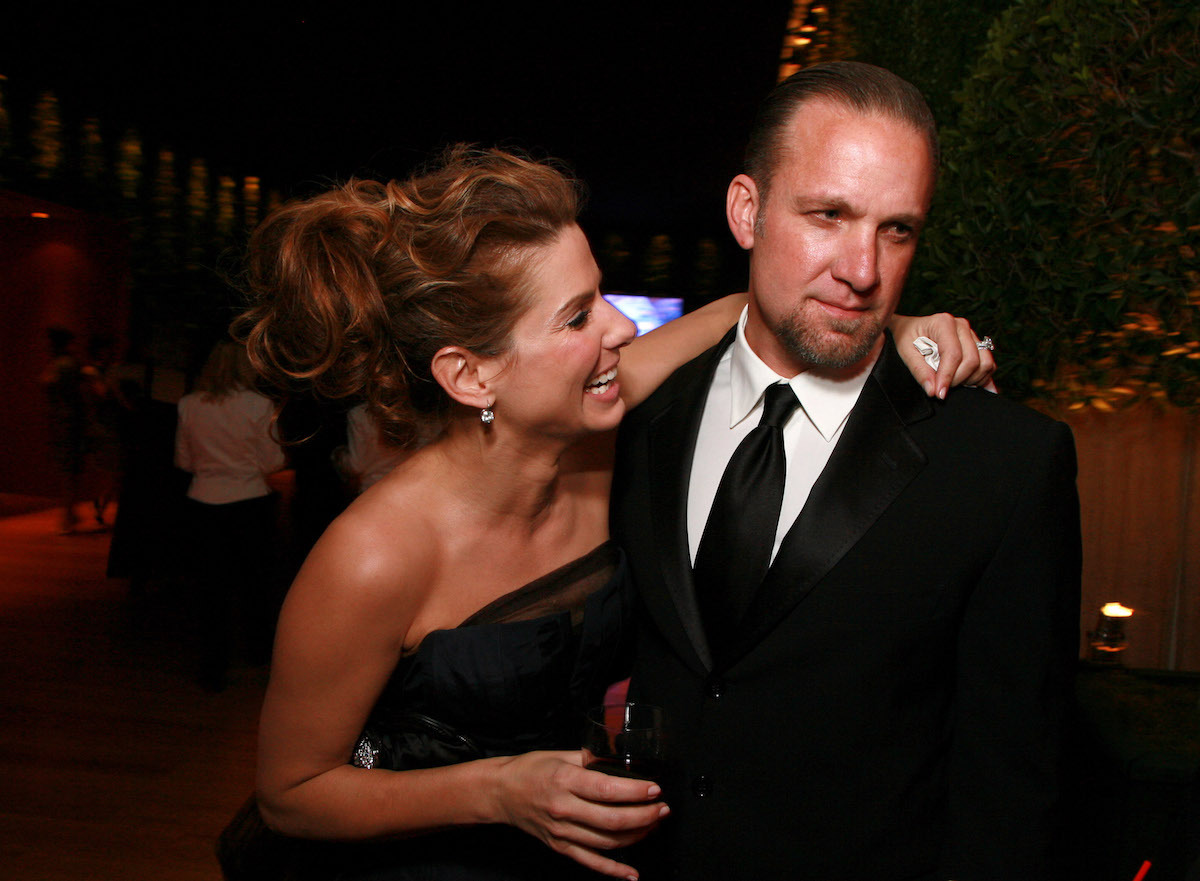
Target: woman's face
(561,379)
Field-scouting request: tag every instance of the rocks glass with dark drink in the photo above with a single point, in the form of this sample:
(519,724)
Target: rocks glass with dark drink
(626,740)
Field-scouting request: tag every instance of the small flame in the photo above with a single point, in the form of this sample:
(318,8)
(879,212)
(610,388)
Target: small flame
(1115,610)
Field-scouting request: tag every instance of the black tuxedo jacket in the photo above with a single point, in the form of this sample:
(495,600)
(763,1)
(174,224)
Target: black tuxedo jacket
(891,708)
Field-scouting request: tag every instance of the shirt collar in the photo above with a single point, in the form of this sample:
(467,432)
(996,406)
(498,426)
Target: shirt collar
(825,401)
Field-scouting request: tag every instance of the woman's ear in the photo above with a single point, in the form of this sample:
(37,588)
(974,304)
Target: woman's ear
(466,377)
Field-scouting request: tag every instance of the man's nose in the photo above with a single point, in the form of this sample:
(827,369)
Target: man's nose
(857,264)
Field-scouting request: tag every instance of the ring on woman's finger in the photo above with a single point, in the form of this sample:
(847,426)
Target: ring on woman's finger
(985,343)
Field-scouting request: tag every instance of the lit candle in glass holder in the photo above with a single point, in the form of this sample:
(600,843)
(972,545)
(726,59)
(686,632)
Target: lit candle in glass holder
(1108,639)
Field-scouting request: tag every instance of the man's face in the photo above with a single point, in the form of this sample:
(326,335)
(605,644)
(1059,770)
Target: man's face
(832,245)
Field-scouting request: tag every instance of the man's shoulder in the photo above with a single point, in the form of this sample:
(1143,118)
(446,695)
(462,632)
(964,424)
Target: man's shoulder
(993,425)
(968,404)
(972,410)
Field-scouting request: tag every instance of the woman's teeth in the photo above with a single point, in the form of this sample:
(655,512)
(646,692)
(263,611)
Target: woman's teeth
(600,384)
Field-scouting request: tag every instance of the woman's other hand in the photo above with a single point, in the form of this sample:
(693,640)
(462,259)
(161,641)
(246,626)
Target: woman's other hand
(577,812)
(962,362)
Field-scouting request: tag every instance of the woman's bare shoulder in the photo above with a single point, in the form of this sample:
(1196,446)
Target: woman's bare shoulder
(376,559)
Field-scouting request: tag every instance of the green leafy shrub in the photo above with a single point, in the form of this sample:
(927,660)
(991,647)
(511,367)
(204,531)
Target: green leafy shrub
(1067,218)
(931,43)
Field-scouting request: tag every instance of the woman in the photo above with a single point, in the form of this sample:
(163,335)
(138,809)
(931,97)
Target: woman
(457,618)
(224,439)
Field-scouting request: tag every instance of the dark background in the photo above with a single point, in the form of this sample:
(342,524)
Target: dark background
(648,101)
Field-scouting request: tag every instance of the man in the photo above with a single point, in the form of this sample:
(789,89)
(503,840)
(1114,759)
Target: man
(884,702)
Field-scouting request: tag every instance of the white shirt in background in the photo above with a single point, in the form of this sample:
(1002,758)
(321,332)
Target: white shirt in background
(228,446)
(367,456)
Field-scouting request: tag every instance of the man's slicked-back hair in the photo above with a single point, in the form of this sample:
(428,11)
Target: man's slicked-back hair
(861,87)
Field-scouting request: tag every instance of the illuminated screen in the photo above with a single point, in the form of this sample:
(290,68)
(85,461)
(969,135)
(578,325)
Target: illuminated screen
(647,312)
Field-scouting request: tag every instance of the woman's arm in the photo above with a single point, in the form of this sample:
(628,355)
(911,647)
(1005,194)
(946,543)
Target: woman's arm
(338,641)
(650,359)
(268,452)
(183,450)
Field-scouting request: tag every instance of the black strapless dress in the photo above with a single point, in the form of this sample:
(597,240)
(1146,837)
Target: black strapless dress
(516,676)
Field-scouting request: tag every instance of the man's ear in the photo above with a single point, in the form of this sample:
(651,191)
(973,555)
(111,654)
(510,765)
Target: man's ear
(741,209)
(466,377)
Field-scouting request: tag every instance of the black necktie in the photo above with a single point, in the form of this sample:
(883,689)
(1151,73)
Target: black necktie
(735,550)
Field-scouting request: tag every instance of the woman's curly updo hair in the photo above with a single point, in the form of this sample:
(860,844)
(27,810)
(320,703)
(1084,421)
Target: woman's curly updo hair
(354,290)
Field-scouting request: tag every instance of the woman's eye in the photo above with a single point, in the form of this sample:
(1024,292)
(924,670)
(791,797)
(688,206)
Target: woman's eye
(580,320)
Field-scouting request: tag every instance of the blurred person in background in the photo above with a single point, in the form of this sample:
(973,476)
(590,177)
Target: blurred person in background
(366,457)
(224,439)
(105,407)
(62,381)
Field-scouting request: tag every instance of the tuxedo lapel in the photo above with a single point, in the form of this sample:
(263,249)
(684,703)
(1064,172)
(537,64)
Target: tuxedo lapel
(672,446)
(874,460)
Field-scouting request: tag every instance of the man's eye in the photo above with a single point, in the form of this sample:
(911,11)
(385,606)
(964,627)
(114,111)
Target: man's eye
(900,232)
(580,320)
(829,214)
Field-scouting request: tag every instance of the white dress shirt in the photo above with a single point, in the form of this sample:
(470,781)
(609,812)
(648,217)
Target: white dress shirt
(733,409)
